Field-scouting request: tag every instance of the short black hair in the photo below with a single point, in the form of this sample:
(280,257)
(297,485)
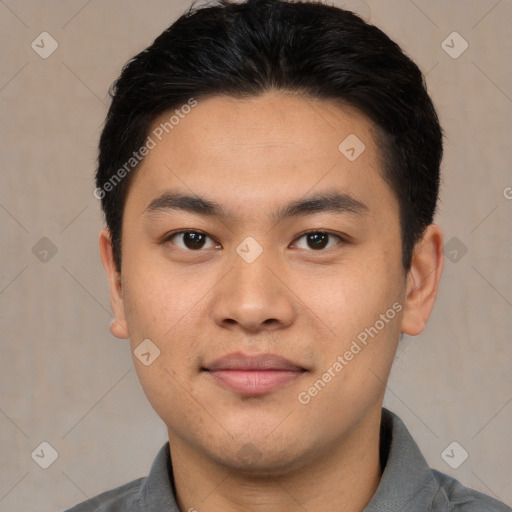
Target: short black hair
(244,49)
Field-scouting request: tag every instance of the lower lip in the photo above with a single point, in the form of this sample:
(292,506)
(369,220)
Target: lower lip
(254,382)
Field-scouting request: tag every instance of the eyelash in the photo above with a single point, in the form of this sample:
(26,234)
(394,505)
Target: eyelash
(170,236)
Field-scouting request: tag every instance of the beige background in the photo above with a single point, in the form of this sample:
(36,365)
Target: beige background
(66,381)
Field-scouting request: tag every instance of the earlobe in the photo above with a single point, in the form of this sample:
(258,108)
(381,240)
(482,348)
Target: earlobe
(117,330)
(423,280)
(118,326)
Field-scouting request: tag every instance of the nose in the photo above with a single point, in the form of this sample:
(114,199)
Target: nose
(254,296)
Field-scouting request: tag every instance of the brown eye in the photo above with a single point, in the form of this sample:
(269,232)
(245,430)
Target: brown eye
(190,240)
(318,240)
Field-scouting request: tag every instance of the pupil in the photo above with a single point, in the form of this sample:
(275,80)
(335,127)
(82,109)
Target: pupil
(318,237)
(194,238)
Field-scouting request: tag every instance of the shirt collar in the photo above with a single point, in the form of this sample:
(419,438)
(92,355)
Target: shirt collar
(407,482)
(158,492)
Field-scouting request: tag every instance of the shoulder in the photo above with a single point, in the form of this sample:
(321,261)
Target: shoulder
(121,498)
(458,498)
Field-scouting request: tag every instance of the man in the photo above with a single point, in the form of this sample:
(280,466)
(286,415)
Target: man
(269,174)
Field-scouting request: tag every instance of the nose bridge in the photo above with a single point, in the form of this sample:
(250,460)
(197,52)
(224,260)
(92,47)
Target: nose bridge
(254,277)
(252,294)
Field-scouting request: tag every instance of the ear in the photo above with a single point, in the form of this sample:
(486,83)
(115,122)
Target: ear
(118,327)
(423,280)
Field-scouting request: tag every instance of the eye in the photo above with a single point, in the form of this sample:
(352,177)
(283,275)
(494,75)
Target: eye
(196,240)
(191,240)
(318,240)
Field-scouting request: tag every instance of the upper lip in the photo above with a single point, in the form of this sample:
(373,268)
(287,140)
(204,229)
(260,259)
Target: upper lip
(239,361)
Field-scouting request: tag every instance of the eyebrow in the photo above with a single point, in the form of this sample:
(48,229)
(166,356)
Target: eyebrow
(330,201)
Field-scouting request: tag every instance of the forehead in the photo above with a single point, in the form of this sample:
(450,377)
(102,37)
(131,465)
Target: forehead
(275,145)
(224,124)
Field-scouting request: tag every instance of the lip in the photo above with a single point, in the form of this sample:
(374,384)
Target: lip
(253,375)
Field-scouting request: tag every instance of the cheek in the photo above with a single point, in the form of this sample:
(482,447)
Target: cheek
(159,307)
(165,307)
(156,299)
(349,296)
(361,304)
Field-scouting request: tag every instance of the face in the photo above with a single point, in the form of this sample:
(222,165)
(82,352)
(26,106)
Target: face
(276,304)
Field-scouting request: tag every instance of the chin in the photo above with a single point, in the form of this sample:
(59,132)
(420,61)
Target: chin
(262,458)
(265,467)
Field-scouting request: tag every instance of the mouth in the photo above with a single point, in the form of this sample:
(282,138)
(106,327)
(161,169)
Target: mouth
(253,375)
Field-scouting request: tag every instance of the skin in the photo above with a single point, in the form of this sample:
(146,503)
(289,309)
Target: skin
(305,304)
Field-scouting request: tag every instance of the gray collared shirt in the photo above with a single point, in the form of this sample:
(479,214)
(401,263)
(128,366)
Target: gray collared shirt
(407,484)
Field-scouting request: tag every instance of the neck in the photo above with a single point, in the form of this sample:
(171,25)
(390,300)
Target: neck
(343,478)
